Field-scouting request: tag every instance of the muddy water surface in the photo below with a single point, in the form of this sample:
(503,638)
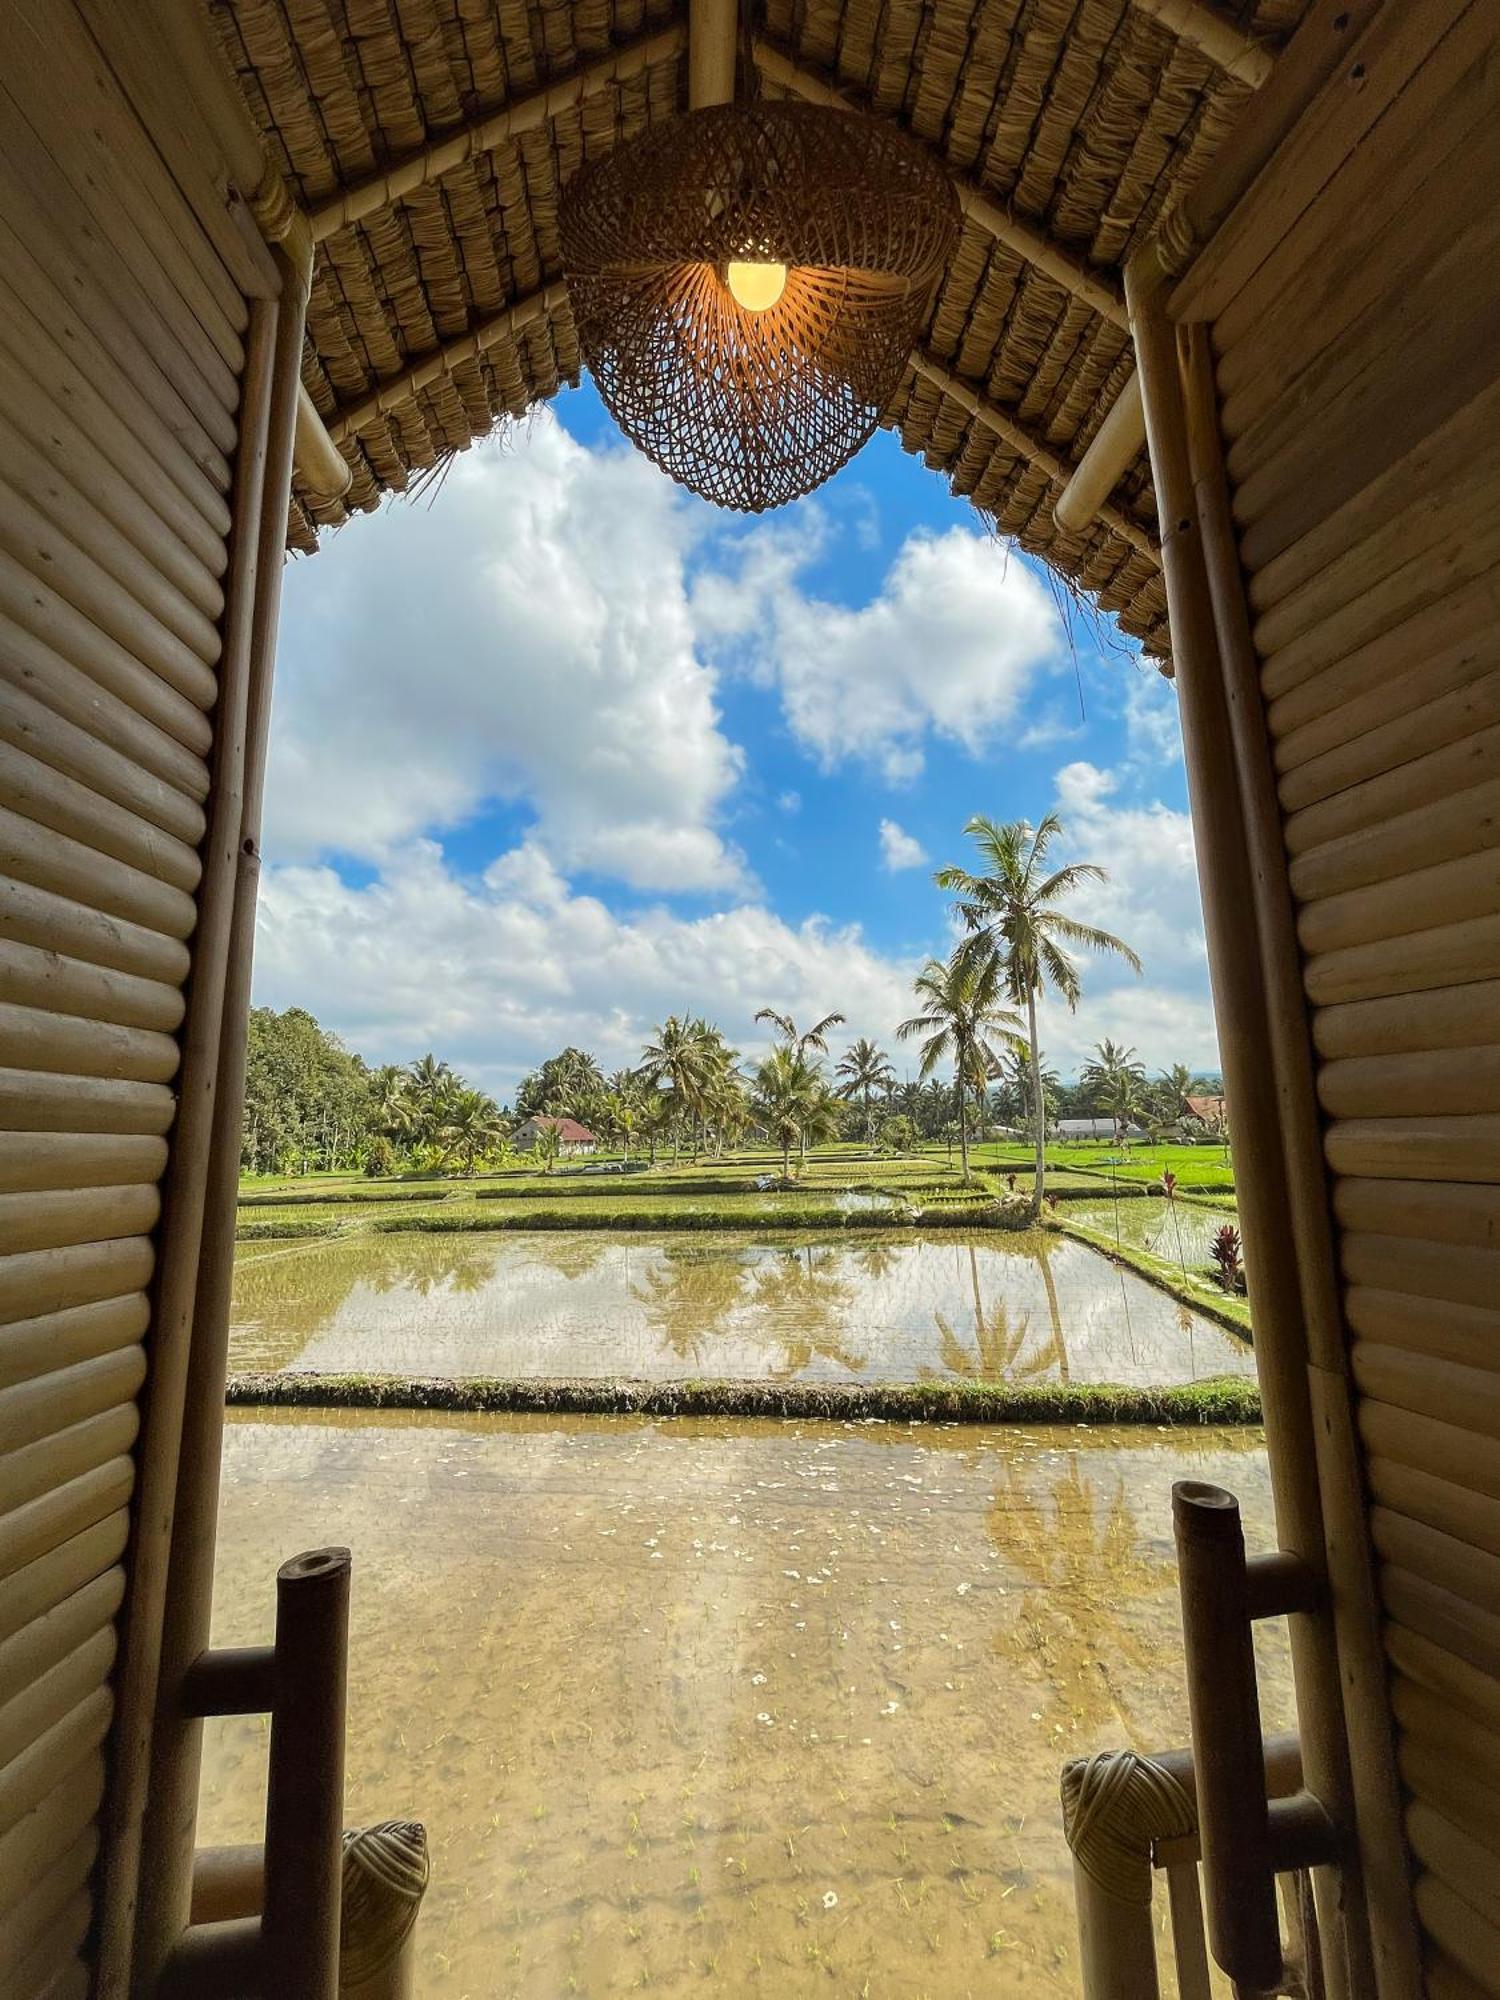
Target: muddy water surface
(586,1303)
(721,1707)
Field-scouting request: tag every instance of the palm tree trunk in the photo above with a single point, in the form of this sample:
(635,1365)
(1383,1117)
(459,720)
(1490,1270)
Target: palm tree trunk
(1039,1103)
(963,1123)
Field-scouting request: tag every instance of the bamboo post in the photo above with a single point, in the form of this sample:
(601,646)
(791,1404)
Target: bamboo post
(305,1794)
(1237,980)
(713,30)
(1224,1704)
(167,1877)
(182,1232)
(1354,1603)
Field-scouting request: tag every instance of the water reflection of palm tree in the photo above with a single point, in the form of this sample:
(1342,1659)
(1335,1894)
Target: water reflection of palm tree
(689,1296)
(570,1256)
(1043,1248)
(878,1258)
(804,1300)
(998,1345)
(1098,1596)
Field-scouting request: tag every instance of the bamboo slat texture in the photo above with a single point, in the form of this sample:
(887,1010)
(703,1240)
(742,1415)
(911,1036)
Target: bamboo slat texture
(122,318)
(1355,309)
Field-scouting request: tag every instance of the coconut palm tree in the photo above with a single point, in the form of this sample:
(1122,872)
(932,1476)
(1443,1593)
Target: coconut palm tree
(1117,1078)
(961,1021)
(791,1102)
(472,1125)
(865,1068)
(816,1037)
(1015,921)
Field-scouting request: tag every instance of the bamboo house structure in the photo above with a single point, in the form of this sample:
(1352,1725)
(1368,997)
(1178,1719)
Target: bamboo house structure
(1216,335)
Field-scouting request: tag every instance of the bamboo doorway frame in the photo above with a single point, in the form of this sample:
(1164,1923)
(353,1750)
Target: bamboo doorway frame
(1365,1905)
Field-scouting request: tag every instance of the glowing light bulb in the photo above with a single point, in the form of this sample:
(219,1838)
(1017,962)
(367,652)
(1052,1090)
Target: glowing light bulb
(756,286)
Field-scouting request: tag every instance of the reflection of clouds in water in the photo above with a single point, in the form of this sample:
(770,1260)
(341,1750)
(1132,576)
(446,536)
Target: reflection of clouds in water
(899,1308)
(566,1631)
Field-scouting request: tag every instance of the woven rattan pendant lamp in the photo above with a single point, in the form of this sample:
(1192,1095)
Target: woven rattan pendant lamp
(748,281)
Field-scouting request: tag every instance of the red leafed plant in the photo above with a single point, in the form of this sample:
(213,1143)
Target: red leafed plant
(1224,1248)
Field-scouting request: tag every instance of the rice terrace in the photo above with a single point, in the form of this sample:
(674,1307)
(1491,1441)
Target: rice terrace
(749,999)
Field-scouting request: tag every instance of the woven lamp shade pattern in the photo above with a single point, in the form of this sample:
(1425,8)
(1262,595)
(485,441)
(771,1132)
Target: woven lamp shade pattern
(751,409)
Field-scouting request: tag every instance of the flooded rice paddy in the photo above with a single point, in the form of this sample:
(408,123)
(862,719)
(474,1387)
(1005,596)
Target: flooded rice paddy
(1178,1231)
(586,1303)
(728,1707)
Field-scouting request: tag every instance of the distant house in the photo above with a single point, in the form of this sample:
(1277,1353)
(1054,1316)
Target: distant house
(1212,1112)
(1070,1130)
(571,1136)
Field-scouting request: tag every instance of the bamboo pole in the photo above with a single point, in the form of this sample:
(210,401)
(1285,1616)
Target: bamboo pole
(1445,955)
(47,1281)
(1026,445)
(34,976)
(1112,451)
(41,1585)
(1226,46)
(323,473)
(66,1042)
(1443,1390)
(138,427)
(1458,1331)
(41,917)
(46,859)
(34,1100)
(713,33)
(527,113)
(1450,1017)
(305,1790)
(45,1898)
(1437,1502)
(1453,824)
(1442,1212)
(508,325)
(41,793)
(1237,973)
(1096,288)
(69,1453)
(33,1161)
(1448,892)
(1451,745)
(1451,1082)
(57,1219)
(166,1885)
(58,1339)
(183,1229)
(139,767)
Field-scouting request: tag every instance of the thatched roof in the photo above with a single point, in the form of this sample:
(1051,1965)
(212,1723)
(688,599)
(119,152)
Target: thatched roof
(1079,120)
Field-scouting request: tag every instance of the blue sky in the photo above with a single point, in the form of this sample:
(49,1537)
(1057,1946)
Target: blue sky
(558,748)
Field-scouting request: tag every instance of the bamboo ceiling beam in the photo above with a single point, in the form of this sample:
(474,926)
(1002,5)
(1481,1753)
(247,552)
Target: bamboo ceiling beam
(398,389)
(1204,28)
(1112,448)
(713,47)
(524,114)
(1064,267)
(1026,444)
(323,473)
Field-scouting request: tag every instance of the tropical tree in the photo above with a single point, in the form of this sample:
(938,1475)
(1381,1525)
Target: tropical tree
(815,1037)
(791,1102)
(961,1021)
(865,1068)
(546,1144)
(1171,1091)
(1013,913)
(1116,1078)
(472,1126)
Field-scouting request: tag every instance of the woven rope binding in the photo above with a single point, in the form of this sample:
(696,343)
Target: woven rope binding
(752,409)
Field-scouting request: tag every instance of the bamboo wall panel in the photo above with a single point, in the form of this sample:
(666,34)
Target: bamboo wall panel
(123,317)
(1356,329)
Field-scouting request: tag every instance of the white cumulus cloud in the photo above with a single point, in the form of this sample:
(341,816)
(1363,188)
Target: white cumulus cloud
(951,644)
(526,637)
(898,848)
(498,973)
